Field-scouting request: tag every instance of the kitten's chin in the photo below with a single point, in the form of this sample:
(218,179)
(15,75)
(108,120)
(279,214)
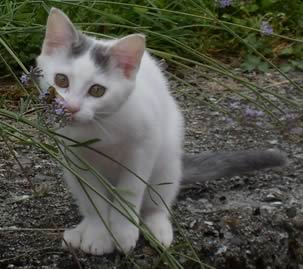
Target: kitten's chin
(79,122)
(80,119)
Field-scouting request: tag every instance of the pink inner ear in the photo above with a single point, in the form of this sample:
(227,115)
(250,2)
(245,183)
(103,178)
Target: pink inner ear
(127,54)
(54,41)
(60,32)
(126,62)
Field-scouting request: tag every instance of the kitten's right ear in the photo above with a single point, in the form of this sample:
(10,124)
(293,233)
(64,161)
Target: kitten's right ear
(60,32)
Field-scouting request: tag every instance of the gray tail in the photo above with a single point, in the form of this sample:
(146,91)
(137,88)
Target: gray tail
(214,165)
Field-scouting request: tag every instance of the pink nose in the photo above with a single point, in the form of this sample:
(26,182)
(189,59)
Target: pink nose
(72,108)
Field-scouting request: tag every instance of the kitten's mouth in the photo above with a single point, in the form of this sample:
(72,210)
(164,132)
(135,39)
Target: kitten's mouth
(78,119)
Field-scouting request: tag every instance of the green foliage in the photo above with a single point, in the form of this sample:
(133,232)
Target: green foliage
(285,19)
(169,25)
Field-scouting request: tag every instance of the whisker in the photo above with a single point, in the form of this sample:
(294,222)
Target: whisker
(104,131)
(102,113)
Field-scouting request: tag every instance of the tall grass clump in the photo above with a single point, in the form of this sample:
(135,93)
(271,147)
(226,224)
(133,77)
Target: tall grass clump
(190,35)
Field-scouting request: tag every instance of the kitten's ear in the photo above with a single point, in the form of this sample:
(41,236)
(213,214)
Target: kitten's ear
(128,52)
(60,32)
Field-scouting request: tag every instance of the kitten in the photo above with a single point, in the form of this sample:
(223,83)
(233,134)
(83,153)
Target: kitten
(116,92)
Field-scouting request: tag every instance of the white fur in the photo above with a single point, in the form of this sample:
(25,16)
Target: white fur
(139,125)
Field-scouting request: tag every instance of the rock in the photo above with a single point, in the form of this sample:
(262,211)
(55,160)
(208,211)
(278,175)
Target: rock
(221,250)
(266,209)
(273,195)
(291,212)
(192,224)
(298,222)
(277,204)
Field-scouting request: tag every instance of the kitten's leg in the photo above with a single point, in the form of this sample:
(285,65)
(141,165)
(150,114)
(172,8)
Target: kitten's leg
(90,235)
(154,210)
(140,161)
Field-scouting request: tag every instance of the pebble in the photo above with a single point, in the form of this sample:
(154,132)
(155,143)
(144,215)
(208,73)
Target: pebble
(291,212)
(192,224)
(274,195)
(276,203)
(221,250)
(298,222)
(265,209)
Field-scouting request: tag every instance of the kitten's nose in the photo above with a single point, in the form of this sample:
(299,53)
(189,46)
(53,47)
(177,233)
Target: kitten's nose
(73,108)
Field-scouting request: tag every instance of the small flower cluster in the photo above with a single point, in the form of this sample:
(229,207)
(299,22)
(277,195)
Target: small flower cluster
(54,111)
(247,111)
(225,3)
(266,28)
(33,74)
(253,113)
(293,122)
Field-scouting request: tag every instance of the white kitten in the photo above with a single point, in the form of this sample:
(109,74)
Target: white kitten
(117,93)
(136,118)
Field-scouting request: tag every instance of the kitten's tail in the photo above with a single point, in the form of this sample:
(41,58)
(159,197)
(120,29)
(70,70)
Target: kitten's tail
(214,165)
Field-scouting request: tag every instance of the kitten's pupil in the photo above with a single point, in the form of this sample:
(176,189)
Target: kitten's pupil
(96,90)
(61,80)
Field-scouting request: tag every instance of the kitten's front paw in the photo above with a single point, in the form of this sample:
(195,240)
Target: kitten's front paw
(72,237)
(160,225)
(126,235)
(96,240)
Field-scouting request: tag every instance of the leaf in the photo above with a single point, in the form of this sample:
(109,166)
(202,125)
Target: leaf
(267,3)
(125,192)
(263,67)
(24,105)
(140,10)
(286,68)
(164,183)
(298,64)
(287,51)
(86,143)
(51,148)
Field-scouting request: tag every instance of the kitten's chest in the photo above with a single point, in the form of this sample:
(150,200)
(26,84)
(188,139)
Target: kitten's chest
(109,134)
(106,160)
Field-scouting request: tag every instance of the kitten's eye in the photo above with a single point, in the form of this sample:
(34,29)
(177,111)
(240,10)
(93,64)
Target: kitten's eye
(96,90)
(61,81)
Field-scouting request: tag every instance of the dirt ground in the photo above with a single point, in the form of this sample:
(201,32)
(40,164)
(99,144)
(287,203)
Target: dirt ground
(253,221)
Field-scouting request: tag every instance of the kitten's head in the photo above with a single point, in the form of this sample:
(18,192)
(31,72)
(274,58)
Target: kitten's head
(95,77)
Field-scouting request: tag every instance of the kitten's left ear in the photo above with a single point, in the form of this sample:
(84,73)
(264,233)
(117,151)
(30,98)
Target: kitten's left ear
(128,52)
(60,32)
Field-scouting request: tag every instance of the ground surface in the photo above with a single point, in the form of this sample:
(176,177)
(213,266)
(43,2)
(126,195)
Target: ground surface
(253,221)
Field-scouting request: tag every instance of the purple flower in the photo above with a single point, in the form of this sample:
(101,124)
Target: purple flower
(225,3)
(230,122)
(24,79)
(266,28)
(54,113)
(253,113)
(289,117)
(33,74)
(59,111)
(297,130)
(235,105)
(61,102)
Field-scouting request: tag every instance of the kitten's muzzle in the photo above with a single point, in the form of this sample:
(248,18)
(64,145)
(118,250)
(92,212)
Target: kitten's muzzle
(73,109)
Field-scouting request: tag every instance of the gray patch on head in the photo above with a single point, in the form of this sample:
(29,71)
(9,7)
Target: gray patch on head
(80,46)
(101,56)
